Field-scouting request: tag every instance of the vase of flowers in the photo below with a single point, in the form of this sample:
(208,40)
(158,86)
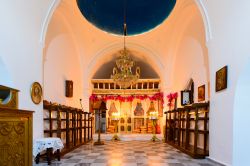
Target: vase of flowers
(172,97)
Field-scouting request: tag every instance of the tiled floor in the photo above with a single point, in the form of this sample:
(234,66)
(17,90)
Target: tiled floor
(128,153)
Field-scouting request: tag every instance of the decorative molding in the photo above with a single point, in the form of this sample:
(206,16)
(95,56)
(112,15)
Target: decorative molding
(47,19)
(142,86)
(206,19)
(12,143)
(55,3)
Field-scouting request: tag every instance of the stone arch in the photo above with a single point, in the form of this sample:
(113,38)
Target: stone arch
(188,13)
(55,3)
(157,64)
(47,19)
(205,18)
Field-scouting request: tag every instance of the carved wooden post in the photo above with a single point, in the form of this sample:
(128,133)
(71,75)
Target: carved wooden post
(196,131)
(58,120)
(88,126)
(50,120)
(67,128)
(179,127)
(174,126)
(205,130)
(80,114)
(74,127)
(166,127)
(91,127)
(187,127)
(85,137)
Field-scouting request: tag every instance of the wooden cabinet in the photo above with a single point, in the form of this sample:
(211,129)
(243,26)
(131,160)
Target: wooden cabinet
(73,126)
(187,129)
(15,137)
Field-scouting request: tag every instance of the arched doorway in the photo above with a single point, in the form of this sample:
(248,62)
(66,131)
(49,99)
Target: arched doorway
(241,135)
(132,104)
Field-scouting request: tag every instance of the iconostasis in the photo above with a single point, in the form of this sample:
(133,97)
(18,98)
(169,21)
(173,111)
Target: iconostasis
(133,115)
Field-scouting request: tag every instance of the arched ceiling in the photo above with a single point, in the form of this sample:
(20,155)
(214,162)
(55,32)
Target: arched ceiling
(106,69)
(90,42)
(141,15)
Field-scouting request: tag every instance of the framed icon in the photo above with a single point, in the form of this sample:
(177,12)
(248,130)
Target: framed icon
(36,93)
(221,79)
(69,88)
(201,93)
(185,97)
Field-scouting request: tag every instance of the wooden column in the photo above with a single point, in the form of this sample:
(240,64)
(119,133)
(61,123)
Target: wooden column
(179,127)
(91,127)
(74,127)
(67,129)
(58,120)
(85,127)
(80,114)
(166,127)
(205,131)
(196,131)
(187,128)
(88,126)
(50,121)
(174,127)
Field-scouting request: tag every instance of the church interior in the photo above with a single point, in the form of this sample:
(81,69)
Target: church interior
(122,82)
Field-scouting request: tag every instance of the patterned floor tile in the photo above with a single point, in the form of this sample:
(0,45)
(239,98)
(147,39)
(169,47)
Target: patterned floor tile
(128,153)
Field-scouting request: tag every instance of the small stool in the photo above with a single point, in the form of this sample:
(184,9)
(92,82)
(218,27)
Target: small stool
(51,145)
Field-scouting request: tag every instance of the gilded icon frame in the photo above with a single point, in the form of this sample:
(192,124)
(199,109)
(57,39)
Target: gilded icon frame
(36,93)
(201,93)
(221,79)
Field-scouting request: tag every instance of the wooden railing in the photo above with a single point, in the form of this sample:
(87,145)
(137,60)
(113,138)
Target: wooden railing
(107,86)
(187,129)
(72,125)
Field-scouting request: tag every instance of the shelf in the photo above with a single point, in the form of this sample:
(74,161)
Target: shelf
(178,131)
(76,130)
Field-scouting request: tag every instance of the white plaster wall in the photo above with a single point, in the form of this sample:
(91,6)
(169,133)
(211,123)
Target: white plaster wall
(21,51)
(189,64)
(61,63)
(229,46)
(5,77)
(191,59)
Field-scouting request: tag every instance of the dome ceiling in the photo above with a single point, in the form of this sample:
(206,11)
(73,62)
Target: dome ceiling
(141,15)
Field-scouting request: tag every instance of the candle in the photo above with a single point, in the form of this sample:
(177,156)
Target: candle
(153,115)
(115,116)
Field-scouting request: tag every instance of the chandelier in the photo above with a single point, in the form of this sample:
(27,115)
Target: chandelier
(122,73)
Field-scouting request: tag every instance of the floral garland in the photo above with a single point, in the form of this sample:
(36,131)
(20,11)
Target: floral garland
(171,97)
(157,96)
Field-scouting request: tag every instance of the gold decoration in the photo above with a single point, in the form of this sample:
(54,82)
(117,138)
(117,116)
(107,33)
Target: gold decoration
(151,108)
(8,97)
(36,93)
(122,74)
(15,137)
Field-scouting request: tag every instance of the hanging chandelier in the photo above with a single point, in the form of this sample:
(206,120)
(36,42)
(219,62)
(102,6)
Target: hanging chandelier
(122,73)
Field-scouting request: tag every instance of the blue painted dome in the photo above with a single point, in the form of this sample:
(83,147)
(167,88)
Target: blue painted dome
(141,15)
